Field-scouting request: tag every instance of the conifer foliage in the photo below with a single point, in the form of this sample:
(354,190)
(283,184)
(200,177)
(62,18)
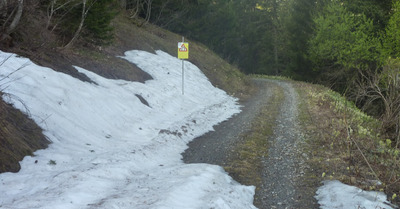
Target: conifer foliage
(87,19)
(98,29)
(350,45)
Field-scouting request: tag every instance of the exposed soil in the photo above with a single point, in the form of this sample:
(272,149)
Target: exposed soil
(283,166)
(19,136)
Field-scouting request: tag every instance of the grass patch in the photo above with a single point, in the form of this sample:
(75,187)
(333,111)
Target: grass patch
(52,162)
(149,38)
(246,166)
(271,77)
(128,36)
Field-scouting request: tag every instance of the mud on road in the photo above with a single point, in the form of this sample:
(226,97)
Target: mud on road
(282,184)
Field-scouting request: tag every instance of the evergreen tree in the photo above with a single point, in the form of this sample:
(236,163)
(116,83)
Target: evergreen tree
(375,10)
(344,45)
(299,28)
(392,38)
(96,23)
(344,39)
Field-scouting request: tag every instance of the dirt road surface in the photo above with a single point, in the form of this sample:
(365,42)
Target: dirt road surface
(284,164)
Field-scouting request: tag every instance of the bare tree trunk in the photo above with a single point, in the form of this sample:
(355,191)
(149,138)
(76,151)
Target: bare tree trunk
(136,10)
(148,14)
(3,8)
(17,17)
(83,17)
(148,11)
(275,32)
(276,59)
(50,12)
(55,6)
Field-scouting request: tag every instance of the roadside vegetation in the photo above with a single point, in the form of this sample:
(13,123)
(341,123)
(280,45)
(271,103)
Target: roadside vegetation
(342,143)
(345,144)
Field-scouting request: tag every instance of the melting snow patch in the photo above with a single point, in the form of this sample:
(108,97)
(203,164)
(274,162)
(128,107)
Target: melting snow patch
(334,194)
(110,149)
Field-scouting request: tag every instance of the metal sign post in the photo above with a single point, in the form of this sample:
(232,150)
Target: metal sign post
(183,71)
(183,53)
(183,78)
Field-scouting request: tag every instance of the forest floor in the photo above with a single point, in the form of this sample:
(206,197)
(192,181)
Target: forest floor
(263,146)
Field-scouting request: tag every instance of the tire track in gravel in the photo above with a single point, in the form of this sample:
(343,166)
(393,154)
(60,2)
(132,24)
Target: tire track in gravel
(283,167)
(215,147)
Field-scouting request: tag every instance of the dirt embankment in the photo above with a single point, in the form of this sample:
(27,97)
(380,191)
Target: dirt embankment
(19,136)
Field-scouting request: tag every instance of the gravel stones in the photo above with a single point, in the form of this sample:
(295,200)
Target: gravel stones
(283,166)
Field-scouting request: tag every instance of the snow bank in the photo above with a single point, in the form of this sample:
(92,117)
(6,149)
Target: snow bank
(334,194)
(108,149)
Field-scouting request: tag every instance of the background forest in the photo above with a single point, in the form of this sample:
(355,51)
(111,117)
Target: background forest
(351,46)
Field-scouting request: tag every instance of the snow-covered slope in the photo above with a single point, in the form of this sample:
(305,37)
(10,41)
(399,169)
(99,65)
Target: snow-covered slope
(108,149)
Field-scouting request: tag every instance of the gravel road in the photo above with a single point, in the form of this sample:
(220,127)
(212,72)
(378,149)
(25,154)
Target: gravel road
(282,167)
(215,147)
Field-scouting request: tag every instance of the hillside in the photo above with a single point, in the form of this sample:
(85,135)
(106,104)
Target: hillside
(104,61)
(44,49)
(115,115)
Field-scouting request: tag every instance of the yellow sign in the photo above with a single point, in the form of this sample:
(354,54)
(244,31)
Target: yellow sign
(183,50)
